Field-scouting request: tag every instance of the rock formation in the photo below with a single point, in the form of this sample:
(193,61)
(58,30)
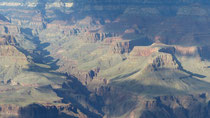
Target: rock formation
(104,58)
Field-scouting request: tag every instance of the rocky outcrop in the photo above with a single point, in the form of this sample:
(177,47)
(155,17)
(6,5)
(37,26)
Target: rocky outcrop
(143,51)
(117,45)
(163,61)
(180,106)
(98,36)
(120,47)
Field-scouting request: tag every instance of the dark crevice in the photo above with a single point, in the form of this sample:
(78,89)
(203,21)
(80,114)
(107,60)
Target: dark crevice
(40,54)
(81,93)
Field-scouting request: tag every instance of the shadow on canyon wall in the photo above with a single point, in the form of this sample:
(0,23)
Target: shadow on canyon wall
(40,54)
(72,91)
(81,95)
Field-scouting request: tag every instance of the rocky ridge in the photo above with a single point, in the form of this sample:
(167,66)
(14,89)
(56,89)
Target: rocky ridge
(141,64)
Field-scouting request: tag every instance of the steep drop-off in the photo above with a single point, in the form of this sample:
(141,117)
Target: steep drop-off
(112,58)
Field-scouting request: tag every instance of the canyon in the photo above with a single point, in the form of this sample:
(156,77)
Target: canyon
(104,59)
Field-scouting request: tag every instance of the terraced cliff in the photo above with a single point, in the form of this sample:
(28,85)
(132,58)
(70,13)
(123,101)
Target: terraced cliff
(96,58)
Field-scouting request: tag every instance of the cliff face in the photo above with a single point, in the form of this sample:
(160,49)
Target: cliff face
(112,58)
(169,106)
(104,54)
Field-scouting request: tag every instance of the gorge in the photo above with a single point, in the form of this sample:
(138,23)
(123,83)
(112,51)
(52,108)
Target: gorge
(104,59)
